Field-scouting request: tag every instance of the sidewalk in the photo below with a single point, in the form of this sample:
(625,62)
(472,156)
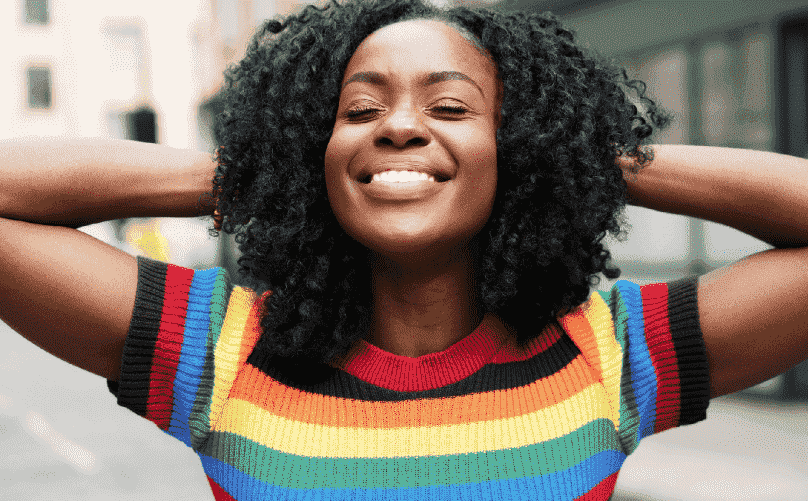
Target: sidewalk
(747,449)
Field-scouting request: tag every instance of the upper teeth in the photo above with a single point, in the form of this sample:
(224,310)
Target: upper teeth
(402,176)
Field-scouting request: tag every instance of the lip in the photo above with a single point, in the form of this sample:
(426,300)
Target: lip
(416,164)
(400,192)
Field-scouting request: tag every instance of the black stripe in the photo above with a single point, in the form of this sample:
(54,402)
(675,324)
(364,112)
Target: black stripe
(138,350)
(691,353)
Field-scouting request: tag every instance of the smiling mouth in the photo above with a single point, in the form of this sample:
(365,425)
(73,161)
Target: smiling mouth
(367,179)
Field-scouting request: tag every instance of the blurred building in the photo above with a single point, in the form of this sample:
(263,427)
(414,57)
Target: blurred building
(135,70)
(732,74)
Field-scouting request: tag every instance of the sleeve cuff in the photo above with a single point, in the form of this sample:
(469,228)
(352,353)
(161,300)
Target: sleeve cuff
(688,341)
(132,387)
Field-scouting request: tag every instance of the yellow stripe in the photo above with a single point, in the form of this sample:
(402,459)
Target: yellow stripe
(609,351)
(226,353)
(304,439)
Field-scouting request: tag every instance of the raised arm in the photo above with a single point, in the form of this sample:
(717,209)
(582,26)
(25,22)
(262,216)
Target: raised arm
(63,290)
(753,313)
(74,183)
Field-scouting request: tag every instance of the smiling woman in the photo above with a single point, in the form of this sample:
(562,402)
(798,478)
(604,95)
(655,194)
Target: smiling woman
(420,197)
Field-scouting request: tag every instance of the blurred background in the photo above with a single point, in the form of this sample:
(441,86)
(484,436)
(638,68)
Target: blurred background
(732,73)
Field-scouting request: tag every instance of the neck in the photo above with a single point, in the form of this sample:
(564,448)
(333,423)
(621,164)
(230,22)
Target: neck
(424,309)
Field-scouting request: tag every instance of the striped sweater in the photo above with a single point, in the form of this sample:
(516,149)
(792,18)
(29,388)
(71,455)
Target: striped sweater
(481,420)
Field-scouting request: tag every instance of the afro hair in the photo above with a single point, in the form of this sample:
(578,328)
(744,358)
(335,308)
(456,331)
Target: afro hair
(565,117)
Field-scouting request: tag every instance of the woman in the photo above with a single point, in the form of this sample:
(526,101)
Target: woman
(420,198)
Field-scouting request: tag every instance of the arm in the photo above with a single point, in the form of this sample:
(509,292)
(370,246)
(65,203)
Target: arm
(75,183)
(65,291)
(753,313)
(759,193)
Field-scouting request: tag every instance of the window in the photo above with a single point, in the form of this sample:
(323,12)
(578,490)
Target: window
(39,88)
(36,11)
(141,125)
(734,94)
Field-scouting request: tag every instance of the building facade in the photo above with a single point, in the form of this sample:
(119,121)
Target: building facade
(733,74)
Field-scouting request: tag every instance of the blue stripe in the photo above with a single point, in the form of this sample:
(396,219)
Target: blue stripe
(566,485)
(192,354)
(643,376)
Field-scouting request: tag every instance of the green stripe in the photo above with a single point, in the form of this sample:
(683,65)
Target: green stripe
(300,472)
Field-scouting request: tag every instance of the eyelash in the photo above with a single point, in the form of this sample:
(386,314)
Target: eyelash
(358,112)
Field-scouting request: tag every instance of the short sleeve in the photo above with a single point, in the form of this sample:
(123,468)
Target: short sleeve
(664,378)
(177,315)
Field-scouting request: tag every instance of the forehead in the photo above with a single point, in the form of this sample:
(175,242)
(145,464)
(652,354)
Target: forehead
(418,46)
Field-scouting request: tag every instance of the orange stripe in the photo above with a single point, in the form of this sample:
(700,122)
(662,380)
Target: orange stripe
(252,328)
(580,330)
(254,386)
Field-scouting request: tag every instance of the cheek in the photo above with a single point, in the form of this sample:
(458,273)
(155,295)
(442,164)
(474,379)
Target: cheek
(479,183)
(332,176)
(482,160)
(336,157)
(339,151)
(341,198)
(484,170)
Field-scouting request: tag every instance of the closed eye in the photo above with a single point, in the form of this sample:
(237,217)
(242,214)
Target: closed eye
(363,112)
(451,109)
(355,113)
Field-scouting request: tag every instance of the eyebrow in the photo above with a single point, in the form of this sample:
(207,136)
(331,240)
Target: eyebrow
(376,78)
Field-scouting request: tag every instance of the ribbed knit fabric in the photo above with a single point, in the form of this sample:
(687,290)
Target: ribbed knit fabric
(481,420)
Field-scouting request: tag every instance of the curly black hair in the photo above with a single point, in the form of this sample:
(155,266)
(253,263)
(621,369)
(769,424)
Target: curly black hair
(566,115)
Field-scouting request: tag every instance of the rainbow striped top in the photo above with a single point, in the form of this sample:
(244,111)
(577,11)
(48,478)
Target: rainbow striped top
(481,420)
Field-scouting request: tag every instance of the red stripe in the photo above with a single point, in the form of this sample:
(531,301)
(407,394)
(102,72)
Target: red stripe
(168,345)
(600,492)
(663,355)
(485,345)
(219,494)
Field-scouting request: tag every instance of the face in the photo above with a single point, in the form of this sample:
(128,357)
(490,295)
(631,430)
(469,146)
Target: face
(417,96)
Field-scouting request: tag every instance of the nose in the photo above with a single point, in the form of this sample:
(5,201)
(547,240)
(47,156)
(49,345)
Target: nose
(403,127)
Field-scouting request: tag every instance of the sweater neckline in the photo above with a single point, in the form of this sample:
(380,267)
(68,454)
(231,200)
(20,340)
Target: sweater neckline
(434,370)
